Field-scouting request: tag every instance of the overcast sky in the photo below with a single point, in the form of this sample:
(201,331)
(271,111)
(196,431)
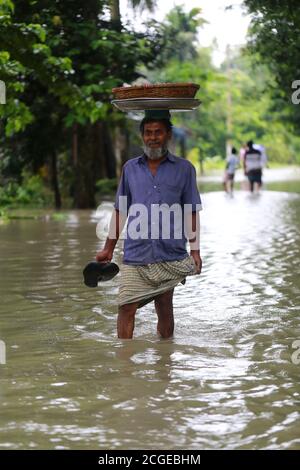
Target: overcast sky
(228,27)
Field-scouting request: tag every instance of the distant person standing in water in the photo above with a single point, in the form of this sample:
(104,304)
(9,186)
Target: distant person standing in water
(253,165)
(232,163)
(242,152)
(262,149)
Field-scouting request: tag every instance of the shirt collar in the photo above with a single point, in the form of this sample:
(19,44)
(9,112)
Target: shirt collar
(170,157)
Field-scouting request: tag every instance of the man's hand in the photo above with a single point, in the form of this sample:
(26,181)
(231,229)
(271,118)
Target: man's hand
(104,256)
(198,261)
(116,225)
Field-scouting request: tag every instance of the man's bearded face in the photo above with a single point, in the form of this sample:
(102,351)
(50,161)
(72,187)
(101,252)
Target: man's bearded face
(156,138)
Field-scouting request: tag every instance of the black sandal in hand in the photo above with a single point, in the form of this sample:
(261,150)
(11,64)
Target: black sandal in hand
(95,272)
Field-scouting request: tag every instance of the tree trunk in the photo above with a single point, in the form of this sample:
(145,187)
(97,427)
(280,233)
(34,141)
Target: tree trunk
(122,146)
(182,148)
(115,16)
(54,178)
(110,158)
(75,144)
(84,189)
(201,166)
(95,160)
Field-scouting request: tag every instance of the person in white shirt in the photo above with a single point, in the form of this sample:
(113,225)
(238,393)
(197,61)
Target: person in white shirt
(263,152)
(242,152)
(232,163)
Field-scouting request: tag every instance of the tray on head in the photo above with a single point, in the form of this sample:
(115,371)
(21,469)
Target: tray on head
(156,90)
(141,104)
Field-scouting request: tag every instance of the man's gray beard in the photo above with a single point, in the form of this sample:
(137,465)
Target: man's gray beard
(155,154)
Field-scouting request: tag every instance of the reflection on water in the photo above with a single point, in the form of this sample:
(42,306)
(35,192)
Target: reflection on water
(226,380)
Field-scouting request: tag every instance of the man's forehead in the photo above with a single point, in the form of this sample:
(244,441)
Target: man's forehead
(154,125)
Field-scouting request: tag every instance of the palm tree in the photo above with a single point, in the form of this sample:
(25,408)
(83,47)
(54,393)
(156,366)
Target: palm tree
(114,6)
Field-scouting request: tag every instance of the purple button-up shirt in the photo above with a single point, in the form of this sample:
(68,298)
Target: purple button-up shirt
(173,183)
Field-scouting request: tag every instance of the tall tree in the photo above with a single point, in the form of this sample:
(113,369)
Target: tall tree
(69,57)
(274,35)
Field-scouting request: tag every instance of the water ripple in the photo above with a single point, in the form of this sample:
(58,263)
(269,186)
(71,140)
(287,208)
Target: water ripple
(226,379)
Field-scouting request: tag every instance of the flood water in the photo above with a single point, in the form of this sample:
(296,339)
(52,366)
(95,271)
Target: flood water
(229,379)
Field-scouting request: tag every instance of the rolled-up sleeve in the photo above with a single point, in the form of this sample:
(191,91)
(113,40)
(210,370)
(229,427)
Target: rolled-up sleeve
(123,196)
(190,196)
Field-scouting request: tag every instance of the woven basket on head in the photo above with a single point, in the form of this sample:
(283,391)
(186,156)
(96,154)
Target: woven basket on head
(161,90)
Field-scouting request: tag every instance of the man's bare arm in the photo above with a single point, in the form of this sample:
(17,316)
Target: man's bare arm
(117,222)
(193,236)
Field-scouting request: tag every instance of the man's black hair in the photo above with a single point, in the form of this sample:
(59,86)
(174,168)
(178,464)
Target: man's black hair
(250,144)
(166,122)
(233,150)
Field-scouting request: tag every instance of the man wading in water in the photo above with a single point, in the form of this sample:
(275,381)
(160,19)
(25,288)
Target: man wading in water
(155,259)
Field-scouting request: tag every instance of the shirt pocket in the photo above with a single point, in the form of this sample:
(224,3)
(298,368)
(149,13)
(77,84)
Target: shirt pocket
(171,193)
(172,187)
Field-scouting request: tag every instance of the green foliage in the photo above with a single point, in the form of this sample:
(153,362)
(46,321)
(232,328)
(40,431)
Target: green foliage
(60,61)
(240,90)
(106,186)
(32,192)
(286,186)
(179,34)
(143,4)
(214,163)
(75,57)
(59,216)
(274,36)
(3,216)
